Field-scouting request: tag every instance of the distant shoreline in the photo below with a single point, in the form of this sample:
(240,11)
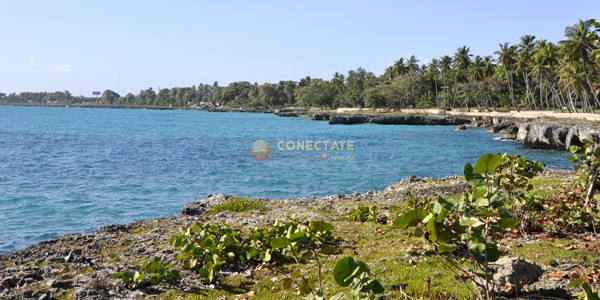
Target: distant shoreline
(291,112)
(533,129)
(96,105)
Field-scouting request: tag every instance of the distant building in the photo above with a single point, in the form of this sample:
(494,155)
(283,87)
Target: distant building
(2,95)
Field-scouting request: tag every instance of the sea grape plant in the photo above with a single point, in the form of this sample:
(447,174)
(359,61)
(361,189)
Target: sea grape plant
(312,243)
(208,247)
(356,274)
(155,268)
(514,173)
(364,213)
(469,225)
(307,243)
(586,161)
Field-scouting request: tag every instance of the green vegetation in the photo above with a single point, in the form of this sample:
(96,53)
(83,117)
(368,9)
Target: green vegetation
(367,214)
(586,160)
(474,222)
(449,253)
(587,293)
(531,74)
(236,204)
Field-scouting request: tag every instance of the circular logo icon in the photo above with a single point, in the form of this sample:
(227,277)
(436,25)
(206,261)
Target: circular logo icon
(260,149)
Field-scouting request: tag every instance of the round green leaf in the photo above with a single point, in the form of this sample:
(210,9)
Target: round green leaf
(280,242)
(346,269)
(328,250)
(508,223)
(174,275)
(320,226)
(410,218)
(376,286)
(203,272)
(487,163)
(446,248)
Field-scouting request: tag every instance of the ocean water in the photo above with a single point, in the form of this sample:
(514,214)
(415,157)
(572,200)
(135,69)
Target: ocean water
(74,169)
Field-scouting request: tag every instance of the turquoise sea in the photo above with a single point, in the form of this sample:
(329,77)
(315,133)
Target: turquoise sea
(75,169)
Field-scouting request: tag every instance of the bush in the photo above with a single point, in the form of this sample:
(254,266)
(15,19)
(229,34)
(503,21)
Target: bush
(236,204)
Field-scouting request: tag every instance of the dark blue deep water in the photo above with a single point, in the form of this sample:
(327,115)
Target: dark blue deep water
(75,169)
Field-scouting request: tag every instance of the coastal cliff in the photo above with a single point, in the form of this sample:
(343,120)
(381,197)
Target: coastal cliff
(398,119)
(541,130)
(534,133)
(560,136)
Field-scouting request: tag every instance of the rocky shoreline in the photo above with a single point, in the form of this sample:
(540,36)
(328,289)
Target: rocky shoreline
(532,132)
(79,266)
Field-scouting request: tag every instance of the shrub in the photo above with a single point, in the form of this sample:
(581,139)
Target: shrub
(470,224)
(236,204)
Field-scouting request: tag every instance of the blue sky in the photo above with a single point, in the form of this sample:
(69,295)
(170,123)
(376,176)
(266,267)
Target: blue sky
(126,46)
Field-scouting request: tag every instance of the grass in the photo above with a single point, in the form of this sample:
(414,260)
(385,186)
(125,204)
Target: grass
(548,252)
(236,204)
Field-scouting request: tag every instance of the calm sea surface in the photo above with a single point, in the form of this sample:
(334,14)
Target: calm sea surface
(75,169)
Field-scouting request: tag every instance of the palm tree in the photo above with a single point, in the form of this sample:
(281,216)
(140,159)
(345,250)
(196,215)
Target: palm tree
(462,57)
(476,69)
(433,70)
(445,64)
(488,66)
(461,62)
(537,69)
(338,81)
(476,73)
(580,42)
(573,79)
(525,48)
(506,57)
(412,65)
(400,67)
(389,73)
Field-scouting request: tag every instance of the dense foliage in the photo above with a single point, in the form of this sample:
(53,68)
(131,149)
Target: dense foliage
(531,74)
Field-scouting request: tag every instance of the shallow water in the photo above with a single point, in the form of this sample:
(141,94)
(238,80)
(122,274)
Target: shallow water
(75,169)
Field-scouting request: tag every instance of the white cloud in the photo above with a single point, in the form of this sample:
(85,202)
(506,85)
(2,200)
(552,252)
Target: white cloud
(63,68)
(33,62)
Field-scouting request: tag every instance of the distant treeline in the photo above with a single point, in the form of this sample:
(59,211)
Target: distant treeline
(531,74)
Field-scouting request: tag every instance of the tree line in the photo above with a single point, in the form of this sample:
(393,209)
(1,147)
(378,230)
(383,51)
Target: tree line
(530,74)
